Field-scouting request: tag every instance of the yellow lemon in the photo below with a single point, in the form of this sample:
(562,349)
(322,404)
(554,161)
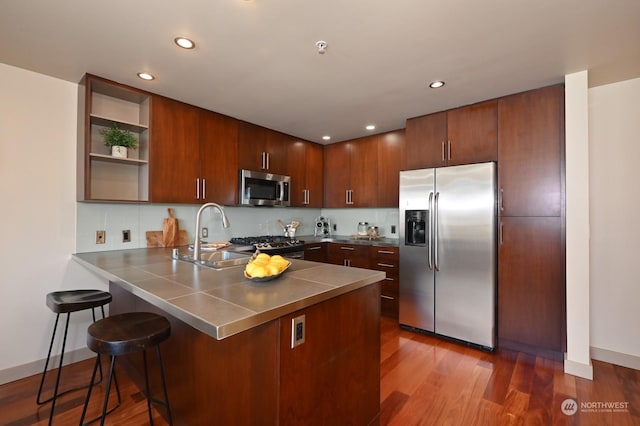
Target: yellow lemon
(279,259)
(259,271)
(261,261)
(249,268)
(264,256)
(273,269)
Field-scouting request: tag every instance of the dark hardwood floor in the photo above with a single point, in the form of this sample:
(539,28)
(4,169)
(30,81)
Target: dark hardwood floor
(424,381)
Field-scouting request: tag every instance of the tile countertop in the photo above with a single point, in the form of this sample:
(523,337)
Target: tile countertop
(222,303)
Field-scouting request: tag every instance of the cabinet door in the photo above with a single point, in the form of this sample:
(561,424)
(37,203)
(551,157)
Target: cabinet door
(354,255)
(251,145)
(276,145)
(316,252)
(174,163)
(425,138)
(364,172)
(390,158)
(314,175)
(530,152)
(336,174)
(531,292)
(218,158)
(387,259)
(473,133)
(297,169)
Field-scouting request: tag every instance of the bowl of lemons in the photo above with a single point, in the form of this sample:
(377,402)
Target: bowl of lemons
(262,267)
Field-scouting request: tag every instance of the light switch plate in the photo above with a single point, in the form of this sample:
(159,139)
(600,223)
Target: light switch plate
(298,332)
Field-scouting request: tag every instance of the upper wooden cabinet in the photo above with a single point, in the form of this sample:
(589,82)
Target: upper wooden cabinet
(530,152)
(261,149)
(102,177)
(459,136)
(194,154)
(391,147)
(218,136)
(305,166)
(351,173)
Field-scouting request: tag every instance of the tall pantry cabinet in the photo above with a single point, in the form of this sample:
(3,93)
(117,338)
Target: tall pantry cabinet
(531,247)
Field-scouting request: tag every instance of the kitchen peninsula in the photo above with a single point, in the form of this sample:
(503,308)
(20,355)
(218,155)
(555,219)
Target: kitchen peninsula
(231,358)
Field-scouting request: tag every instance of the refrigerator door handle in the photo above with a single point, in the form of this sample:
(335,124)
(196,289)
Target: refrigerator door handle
(435,232)
(430,224)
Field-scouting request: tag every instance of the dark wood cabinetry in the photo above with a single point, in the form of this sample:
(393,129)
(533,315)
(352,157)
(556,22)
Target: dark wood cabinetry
(531,293)
(531,281)
(531,129)
(355,255)
(390,158)
(316,252)
(387,259)
(463,135)
(351,173)
(174,157)
(305,166)
(194,154)
(262,149)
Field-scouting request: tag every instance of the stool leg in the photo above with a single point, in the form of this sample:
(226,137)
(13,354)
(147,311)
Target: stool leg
(164,386)
(55,390)
(108,391)
(46,364)
(86,401)
(146,383)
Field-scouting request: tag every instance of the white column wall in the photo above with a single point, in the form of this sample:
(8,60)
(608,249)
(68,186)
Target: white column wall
(577,358)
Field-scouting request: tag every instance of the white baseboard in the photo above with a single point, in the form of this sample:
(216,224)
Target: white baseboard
(25,370)
(617,358)
(578,369)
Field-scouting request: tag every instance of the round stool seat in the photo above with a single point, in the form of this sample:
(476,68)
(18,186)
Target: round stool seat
(126,333)
(76,300)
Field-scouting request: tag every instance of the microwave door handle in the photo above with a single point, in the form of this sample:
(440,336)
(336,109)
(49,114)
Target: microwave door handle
(280,196)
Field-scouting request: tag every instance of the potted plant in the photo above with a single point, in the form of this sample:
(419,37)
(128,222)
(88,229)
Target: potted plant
(119,140)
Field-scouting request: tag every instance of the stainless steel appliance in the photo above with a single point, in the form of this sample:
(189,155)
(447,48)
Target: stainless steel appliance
(270,244)
(448,252)
(264,189)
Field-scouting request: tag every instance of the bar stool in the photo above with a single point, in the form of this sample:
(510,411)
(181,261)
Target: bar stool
(124,334)
(62,302)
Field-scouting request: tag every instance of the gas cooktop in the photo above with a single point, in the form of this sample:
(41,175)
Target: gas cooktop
(270,243)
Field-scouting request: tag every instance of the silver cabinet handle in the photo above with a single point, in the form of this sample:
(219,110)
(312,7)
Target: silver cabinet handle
(204,189)
(435,232)
(449,150)
(313,248)
(347,248)
(346,196)
(429,232)
(501,233)
(197,188)
(382,296)
(268,165)
(386,252)
(443,159)
(501,201)
(386,265)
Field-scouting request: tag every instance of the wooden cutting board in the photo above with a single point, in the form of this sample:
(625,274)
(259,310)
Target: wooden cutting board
(155,239)
(170,230)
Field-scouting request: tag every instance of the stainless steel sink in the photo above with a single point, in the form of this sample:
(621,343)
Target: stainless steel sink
(218,259)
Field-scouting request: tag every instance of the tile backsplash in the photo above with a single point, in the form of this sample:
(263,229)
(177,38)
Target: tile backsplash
(245,221)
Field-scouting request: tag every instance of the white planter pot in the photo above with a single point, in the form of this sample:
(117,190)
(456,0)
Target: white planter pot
(119,151)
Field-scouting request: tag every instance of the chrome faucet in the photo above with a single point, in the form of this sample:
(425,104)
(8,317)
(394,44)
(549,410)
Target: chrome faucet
(197,243)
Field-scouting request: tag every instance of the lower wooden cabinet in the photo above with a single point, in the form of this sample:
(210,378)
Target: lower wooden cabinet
(531,288)
(316,252)
(386,259)
(355,255)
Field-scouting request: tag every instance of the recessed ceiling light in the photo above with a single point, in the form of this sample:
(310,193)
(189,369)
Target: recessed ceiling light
(370,127)
(436,84)
(184,42)
(326,138)
(145,76)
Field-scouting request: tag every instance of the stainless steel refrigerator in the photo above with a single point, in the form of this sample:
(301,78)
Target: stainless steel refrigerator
(448,252)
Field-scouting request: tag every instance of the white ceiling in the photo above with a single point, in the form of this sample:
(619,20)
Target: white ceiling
(257,60)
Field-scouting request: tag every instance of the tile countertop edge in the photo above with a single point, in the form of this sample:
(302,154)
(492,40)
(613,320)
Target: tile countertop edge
(222,331)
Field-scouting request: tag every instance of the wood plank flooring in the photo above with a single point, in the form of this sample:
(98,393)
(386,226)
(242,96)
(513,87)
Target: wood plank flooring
(424,381)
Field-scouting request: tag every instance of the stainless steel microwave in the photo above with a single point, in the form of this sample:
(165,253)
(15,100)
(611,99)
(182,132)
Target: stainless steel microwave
(264,189)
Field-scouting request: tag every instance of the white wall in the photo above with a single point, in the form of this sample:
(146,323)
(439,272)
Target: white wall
(614,138)
(37,187)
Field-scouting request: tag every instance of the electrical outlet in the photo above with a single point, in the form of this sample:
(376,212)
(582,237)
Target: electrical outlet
(205,232)
(335,227)
(297,331)
(393,229)
(101,237)
(126,236)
